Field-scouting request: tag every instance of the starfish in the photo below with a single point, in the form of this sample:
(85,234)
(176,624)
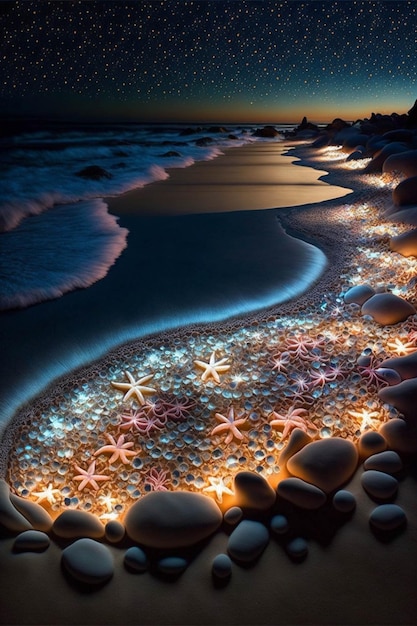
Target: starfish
(118,448)
(218,487)
(366,417)
(402,347)
(145,420)
(213,368)
(47,494)
(230,424)
(88,476)
(293,419)
(135,387)
(157,479)
(281,361)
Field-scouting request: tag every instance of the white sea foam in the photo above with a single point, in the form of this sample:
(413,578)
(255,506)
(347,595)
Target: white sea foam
(68,247)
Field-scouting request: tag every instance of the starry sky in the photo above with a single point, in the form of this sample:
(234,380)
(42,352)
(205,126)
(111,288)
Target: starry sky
(208,60)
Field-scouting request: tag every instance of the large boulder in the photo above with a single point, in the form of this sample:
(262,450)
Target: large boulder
(405,192)
(166,519)
(379,158)
(268,132)
(403,162)
(387,309)
(406,366)
(403,397)
(405,244)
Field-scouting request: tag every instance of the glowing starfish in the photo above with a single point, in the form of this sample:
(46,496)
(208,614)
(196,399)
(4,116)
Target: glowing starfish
(157,479)
(230,424)
(402,347)
(218,487)
(281,361)
(366,417)
(293,419)
(118,448)
(213,368)
(88,477)
(135,387)
(47,494)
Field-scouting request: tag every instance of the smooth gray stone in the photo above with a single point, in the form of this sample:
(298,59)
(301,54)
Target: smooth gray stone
(135,559)
(248,541)
(379,485)
(88,561)
(31,541)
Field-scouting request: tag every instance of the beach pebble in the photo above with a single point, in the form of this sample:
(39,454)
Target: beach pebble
(166,519)
(378,159)
(388,517)
(358,294)
(33,512)
(388,461)
(10,519)
(344,501)
(253,491)
(379,484)
(172,565)
(233,515)
(405,192)
(387,309)
(31,541)
(135,560)
(408,215)
(297,548)
(403,397)
(114,531)
(301,493)
(248,541)
(296,442)
(406,366)
(222,566)
(88,561)
(327,463)
(279,525)
(400,436)
(405,244)
(73,524)
(371,442)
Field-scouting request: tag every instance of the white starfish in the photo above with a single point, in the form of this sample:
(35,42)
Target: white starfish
(230,424)
(213,368)
(88,477)
(135,387)
(47,494)
(218,487)
(293,419)
(119,449)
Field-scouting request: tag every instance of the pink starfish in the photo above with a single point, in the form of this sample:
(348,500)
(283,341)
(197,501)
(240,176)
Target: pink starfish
(229,424)
(293,419)
(89,477)
(119,449)
(143,420)
(300,346)
(281,361)
(157,479)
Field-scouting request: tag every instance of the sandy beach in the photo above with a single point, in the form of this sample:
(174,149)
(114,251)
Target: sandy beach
(350,575)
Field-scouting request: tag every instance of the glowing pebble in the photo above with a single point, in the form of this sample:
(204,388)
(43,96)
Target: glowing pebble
(358,294)
(327,463)
(166,519)
(387,309)
(88,561)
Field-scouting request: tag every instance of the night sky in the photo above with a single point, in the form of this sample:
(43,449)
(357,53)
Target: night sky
(208,60)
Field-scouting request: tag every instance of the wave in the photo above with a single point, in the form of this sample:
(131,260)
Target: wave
(42,259)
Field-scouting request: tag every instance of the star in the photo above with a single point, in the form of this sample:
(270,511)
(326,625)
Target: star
(47,494)
(135,387)
(218,487)
(88,476)
(230,424)
(119,449)
(213,368)
(293,419)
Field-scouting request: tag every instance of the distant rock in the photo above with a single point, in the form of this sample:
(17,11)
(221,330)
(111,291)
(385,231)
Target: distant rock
(268,132)
(387,309)
(72,524)
(301,493)
(327,463)
(248,541)
(412,116)
(88,561)
(93,172)
(203,142)
(253,491)
(31,541)
(379,485)
(170,154)
(217,129)
(166,519)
